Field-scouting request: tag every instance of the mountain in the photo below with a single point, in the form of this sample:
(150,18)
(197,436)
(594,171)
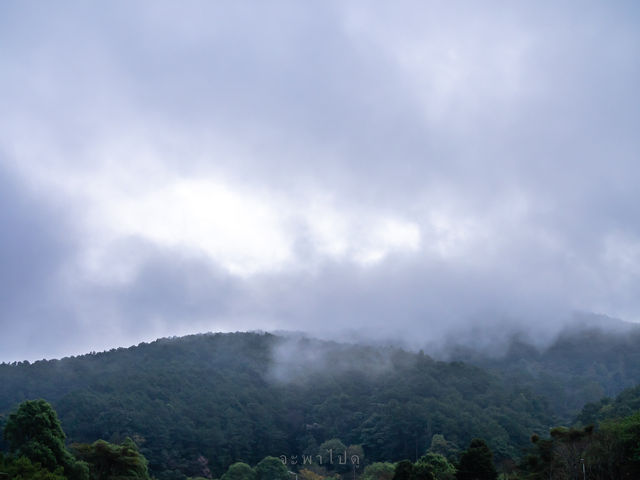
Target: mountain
(243,396)
(582,365)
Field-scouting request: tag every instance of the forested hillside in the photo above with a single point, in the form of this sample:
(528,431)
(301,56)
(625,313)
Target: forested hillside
(625,404)
(603,444)
(241,397)
(582,365)
(231,397)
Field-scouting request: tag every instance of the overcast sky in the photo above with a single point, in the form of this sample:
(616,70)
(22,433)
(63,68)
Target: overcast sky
(405,170)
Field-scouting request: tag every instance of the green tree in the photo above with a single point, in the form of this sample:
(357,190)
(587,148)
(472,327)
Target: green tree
(403,471)
(271,468)
(239,471)
(540,462)
(619,445)
(34,431)
(476,463)
(108,461)
(569,447)
(442,446)
(355,455)
(441,468)
(24,469)
(306,474)
(379,471)
(332,452)
(422,471)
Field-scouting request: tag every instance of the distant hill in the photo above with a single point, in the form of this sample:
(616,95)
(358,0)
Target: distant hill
(582,365)
(625,404)
(242,396)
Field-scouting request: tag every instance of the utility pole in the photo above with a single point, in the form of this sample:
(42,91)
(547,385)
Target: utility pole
(584,472)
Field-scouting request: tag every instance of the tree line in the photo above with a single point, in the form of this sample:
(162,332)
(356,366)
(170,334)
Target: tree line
(37,451)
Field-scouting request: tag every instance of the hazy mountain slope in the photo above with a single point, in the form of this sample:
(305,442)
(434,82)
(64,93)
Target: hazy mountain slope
(244,396)
(625,404)
(581,366)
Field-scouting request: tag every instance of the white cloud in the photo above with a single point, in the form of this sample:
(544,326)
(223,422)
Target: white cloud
(242,232)
(246,231)
(339,159)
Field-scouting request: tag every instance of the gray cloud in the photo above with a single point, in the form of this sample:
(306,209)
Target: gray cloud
(36,241)
(507,133)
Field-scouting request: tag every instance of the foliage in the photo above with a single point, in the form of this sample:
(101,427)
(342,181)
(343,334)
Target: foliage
(329,451)
(239,471)
(580,366)
(34,431)
(108,461)
(379,471)
(441,446)
(217,398)
(625,404)
(617,451)
(335,456)
(306,474)
(271,468)
(609,450)
(476,462)
(438,465)
(430,466)
(422,471)
(198,404)
(613,451)
(24,469)
(403,471)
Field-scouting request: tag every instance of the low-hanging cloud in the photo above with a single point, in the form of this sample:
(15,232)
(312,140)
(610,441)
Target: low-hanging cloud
(353,170)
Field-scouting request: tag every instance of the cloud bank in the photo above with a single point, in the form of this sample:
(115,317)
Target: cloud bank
(353,170)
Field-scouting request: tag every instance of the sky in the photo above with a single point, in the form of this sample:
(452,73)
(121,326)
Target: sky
(406,171)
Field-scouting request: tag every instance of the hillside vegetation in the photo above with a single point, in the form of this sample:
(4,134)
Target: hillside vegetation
(238,397)
(581,366)
(219,399)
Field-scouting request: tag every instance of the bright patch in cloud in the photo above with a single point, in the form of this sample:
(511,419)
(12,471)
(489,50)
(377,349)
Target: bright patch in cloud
(386,236)
(244,233)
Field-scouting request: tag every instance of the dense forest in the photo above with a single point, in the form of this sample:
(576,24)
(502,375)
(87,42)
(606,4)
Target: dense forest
(197,405)
(582,365)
